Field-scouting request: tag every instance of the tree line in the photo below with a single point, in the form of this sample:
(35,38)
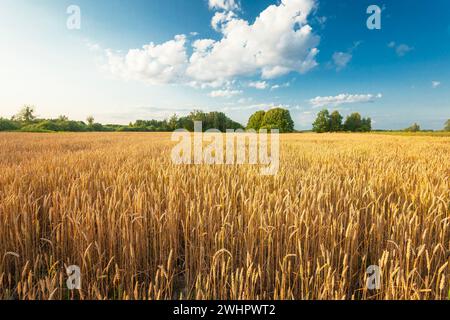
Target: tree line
(277,118)
(27,121)
(326,122)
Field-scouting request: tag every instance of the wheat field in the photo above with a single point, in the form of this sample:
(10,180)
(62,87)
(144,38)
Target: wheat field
(140,227)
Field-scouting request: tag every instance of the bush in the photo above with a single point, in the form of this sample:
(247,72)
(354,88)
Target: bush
(48,126)
(8,125)
(34,128)
(73,126)
(97,127)
(132,129)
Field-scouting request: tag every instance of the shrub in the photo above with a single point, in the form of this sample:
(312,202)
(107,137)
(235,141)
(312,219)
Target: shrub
(8,125)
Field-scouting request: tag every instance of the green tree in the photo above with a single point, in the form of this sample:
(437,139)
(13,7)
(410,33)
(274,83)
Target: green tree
(63,118)
(336,122)
(280,119)
(172,123)
(26,114)
(211,120)
(256,120)
(366,125)
(414,128)
(353,122)
(90,120)
(322,122)
(447,125)
(216,120)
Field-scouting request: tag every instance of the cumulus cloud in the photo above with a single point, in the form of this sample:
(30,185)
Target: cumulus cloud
(401,49)
(224,93)
(343,98)
(435,84)
(260,85)
(278,42)
(227,5)
(155,64)
(220,19)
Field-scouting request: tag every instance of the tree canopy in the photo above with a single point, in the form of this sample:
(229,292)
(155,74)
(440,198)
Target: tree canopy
(326,122)
(322,123)
(26,114)
(277,118)
(336,122)
(256,120)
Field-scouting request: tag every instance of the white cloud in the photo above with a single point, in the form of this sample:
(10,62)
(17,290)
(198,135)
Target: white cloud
(220,19)
(227,5)
(334,101)
(260,85)
(259,106)
(401,49)
(279,41)
(220,83)
(203,45)
(278,86)
(224,93)
(435,84)
(155,64)
(341,59)
(94,47)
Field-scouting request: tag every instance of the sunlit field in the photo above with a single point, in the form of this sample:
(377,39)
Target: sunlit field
(140,227)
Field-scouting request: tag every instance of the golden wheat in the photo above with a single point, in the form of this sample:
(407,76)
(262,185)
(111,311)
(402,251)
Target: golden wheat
(142,228)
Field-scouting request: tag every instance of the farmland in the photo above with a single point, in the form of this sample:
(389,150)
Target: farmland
(140,227)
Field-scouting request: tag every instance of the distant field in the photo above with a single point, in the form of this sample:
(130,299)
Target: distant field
(417,134)
(142,228)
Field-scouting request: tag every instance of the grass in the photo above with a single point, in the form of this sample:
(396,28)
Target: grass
(141,228)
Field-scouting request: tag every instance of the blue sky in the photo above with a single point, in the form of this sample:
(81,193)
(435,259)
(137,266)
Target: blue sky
(149,59)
